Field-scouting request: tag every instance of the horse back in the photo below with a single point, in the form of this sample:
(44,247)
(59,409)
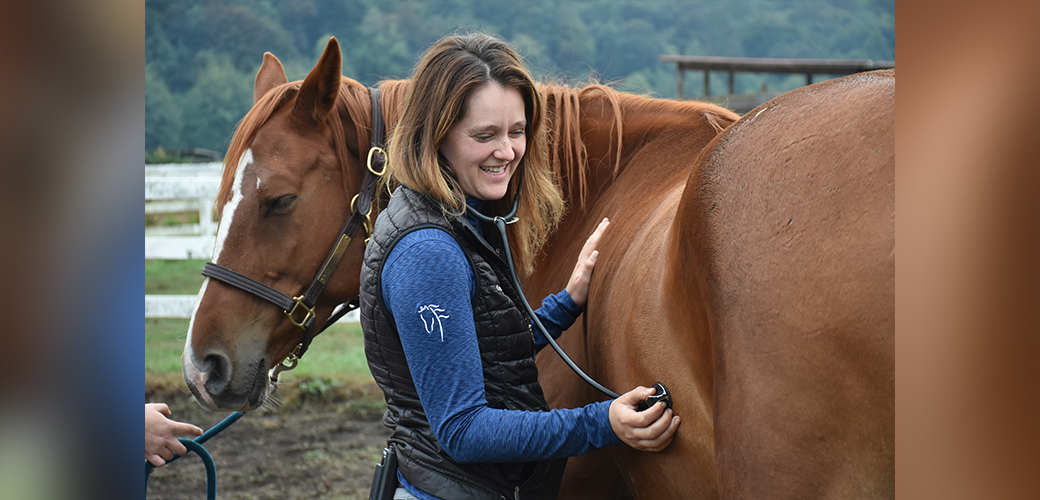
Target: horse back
(791,213)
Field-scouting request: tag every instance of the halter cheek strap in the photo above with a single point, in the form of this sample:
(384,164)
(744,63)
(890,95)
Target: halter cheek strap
(360,216)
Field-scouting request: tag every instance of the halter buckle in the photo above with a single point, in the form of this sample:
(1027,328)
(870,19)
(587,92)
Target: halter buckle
(372,152)
(309,313)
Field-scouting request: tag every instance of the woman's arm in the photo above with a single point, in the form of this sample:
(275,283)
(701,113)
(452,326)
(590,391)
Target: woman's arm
(427,284)
(557,313)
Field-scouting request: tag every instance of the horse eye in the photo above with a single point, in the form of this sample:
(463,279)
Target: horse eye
(281,204)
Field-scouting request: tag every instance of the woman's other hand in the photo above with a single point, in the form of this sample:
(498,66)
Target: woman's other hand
(578,285)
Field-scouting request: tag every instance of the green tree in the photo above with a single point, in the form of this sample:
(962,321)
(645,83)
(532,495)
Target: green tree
(194,45)
(574,45)
(532,50)
(162,117)
(379,49)
(221,96)
(628,48)
(422,23)
(168,43)
(244,35)
(771,34)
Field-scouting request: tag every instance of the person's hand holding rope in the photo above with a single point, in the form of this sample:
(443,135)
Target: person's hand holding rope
(160,434)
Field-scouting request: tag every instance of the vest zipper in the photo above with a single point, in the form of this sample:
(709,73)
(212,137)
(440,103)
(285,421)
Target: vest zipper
(516,493)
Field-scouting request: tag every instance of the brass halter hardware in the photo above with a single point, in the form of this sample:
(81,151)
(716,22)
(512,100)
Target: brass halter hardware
(372,151)
(287,364)
(368,216)
(299,304)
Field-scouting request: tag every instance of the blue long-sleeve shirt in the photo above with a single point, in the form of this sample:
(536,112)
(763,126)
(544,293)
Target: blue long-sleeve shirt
(428,284)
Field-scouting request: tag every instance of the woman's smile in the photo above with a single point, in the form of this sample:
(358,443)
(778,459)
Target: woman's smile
(495,170)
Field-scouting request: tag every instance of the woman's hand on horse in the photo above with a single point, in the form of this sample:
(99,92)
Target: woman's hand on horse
(578,285)
(648,430)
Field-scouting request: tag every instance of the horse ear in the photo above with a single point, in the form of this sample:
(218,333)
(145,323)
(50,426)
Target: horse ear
(319,90)
(271,75)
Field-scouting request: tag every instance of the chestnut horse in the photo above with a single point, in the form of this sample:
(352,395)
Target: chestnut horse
(298,157)
(756,279)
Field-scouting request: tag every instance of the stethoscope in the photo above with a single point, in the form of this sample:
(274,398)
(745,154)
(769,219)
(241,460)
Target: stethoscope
(500,223)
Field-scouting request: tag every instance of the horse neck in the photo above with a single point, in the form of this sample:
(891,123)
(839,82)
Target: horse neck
(620,155)
(595,132)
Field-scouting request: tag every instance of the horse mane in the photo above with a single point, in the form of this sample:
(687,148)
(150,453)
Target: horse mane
(352,103)
(568,152)
(562,104)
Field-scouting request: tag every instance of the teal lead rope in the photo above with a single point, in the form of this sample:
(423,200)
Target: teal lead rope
(207,460)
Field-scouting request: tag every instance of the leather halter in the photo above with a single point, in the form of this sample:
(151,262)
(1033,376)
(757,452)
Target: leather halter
(361,208)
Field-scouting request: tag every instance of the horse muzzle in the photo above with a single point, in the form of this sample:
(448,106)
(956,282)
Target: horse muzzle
(218,384)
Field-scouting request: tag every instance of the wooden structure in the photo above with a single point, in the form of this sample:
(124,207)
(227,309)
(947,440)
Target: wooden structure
(742,103)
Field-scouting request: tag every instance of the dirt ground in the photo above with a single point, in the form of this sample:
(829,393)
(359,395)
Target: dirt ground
(316,446)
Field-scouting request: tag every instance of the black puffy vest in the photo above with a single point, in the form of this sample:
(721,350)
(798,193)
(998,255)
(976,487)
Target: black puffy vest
(507,354)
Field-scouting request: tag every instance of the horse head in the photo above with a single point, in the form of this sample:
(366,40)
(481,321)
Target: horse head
(294,164)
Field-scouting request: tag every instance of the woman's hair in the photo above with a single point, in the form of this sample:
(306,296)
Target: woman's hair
(448,73)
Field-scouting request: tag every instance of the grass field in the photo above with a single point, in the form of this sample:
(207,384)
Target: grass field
(337,354)
(173,277)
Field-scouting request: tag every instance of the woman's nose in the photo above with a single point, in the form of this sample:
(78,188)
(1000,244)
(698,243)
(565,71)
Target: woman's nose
(505,151)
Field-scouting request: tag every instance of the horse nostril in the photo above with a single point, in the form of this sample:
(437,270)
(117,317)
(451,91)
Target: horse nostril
(218,368)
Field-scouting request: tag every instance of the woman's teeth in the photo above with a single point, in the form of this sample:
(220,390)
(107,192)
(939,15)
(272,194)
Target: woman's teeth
(494,170)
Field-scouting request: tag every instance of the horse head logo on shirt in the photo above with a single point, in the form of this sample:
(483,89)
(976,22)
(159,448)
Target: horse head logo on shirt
(431,316)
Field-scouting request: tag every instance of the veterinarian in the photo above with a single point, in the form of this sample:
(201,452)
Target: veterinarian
(445,335)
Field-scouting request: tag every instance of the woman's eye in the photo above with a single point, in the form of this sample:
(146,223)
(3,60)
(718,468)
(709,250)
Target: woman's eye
(517,133)
(281,204)
(484,137)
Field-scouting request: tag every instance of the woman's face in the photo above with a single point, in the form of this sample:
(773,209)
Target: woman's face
(486,145)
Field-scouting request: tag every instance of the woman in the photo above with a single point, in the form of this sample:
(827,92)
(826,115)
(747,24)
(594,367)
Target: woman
(445,333)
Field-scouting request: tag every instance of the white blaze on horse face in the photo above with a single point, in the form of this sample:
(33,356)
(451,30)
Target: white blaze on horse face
(227,216)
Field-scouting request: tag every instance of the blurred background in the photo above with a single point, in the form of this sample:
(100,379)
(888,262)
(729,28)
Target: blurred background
(201,57)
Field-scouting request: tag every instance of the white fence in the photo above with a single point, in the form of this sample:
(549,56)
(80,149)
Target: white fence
(172,188)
